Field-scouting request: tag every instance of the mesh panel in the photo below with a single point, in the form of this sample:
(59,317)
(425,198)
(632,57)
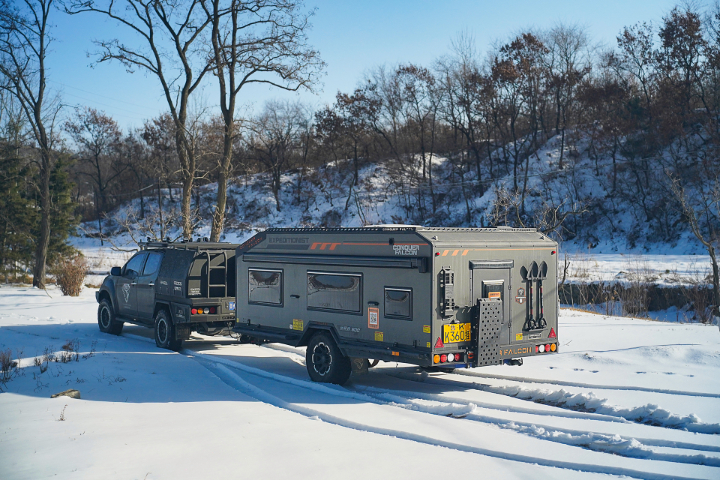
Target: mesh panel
(490,317)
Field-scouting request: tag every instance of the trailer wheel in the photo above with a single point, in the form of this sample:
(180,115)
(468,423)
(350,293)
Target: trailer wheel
(165,332)
(106,318)
(325,362)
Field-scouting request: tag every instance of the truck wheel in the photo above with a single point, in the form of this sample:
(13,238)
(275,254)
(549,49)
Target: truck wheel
(325,362)
(106,318)
(165,332)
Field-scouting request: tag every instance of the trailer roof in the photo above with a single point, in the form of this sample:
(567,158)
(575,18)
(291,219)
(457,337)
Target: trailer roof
(398,228)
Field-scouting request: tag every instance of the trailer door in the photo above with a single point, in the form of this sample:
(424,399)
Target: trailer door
(491,281)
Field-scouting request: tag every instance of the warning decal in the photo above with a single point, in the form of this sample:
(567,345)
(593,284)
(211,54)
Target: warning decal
(297,324)
(378,336)
(426,328)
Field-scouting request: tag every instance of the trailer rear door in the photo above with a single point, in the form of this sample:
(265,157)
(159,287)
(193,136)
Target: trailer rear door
(490,280)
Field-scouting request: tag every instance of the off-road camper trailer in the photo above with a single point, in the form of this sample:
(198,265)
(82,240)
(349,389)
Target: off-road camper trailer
(434,297)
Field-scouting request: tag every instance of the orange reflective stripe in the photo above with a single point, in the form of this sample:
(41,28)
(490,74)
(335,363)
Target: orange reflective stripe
(445,253)
(455,253)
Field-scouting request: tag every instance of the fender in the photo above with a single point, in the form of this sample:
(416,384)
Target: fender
(107,289)
(314,328)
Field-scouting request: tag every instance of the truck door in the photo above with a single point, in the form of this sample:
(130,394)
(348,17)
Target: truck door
(491,281)
(146,287)
(126,286)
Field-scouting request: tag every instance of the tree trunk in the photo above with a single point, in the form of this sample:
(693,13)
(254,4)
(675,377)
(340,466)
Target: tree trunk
(41,248)
(716,282)
(186,207)
(219,213)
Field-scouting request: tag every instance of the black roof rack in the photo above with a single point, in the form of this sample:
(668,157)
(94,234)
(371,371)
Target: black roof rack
(182,245)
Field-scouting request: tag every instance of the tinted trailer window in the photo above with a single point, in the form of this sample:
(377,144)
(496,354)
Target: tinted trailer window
(334,291)
(265,286)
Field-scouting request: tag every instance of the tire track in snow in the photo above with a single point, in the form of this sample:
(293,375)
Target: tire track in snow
(236,381)
(631,447)
(649,414)
(563,383)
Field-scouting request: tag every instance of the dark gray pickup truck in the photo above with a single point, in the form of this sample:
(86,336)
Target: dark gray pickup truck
(175,287)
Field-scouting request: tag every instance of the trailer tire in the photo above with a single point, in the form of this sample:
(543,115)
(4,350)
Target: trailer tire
(325,362)
(106,318)
(165,332)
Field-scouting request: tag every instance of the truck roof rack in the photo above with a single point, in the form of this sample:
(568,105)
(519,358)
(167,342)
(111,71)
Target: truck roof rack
(183,245)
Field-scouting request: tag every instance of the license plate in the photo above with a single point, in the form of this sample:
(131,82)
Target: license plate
(456,332)
(231,306)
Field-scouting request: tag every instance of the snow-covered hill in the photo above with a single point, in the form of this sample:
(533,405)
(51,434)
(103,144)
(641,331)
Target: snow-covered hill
(326,196)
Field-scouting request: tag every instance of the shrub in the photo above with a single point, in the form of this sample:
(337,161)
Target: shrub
(70,275)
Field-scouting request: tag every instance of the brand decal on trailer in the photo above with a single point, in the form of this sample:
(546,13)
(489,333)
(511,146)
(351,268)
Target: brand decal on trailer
(406,249)
(288,240)
(515,351)
(520,298)
(346,328)
(373,317)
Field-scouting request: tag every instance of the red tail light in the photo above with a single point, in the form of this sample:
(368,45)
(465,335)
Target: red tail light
(194,311)
(443,358)
(458,357)
(213,310)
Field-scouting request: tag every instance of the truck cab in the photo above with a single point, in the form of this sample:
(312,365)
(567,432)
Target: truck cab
(176,288)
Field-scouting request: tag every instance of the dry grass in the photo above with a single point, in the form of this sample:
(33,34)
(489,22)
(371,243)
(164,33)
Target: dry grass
(70,275)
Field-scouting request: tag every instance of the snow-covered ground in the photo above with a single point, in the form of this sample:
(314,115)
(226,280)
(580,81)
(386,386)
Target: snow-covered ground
(624,397)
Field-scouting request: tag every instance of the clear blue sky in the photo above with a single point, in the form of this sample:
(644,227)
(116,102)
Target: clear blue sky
(352,37)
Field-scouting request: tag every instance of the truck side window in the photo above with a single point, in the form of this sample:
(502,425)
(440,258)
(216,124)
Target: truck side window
(265,286)
(398,303)
(334,291)
(152,264)
(135,265)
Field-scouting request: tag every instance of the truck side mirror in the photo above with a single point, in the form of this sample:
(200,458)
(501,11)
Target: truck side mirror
(116,271)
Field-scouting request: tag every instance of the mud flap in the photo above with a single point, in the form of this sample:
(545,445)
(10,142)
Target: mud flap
(359,365)
(182,332)
(489,320)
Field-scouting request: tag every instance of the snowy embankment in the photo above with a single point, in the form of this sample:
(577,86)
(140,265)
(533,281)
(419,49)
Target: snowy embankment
(624,397)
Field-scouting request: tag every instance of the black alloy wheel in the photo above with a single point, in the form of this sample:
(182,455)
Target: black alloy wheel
(325,362)
(106,318)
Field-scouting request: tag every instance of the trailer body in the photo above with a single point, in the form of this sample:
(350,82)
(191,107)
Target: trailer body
(403,293)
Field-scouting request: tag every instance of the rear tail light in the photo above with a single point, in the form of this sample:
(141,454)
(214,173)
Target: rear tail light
(436,359)
(451,357)
(443,358)
(213,310)
(458,357)
(550,347)
(194,311)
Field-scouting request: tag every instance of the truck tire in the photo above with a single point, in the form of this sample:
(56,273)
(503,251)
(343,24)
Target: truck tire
(106,318)
(325,362)
(165,332)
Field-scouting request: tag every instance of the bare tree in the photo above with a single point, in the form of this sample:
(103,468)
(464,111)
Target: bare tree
(263,41)
(170,48)
(24,41)
(97,137)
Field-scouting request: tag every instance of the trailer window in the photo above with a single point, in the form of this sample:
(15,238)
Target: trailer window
(398,303)
(334,291)
(265,286)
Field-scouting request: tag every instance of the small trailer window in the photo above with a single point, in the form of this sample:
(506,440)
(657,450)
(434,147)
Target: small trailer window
(398,303)
(265,286)
(334,291)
